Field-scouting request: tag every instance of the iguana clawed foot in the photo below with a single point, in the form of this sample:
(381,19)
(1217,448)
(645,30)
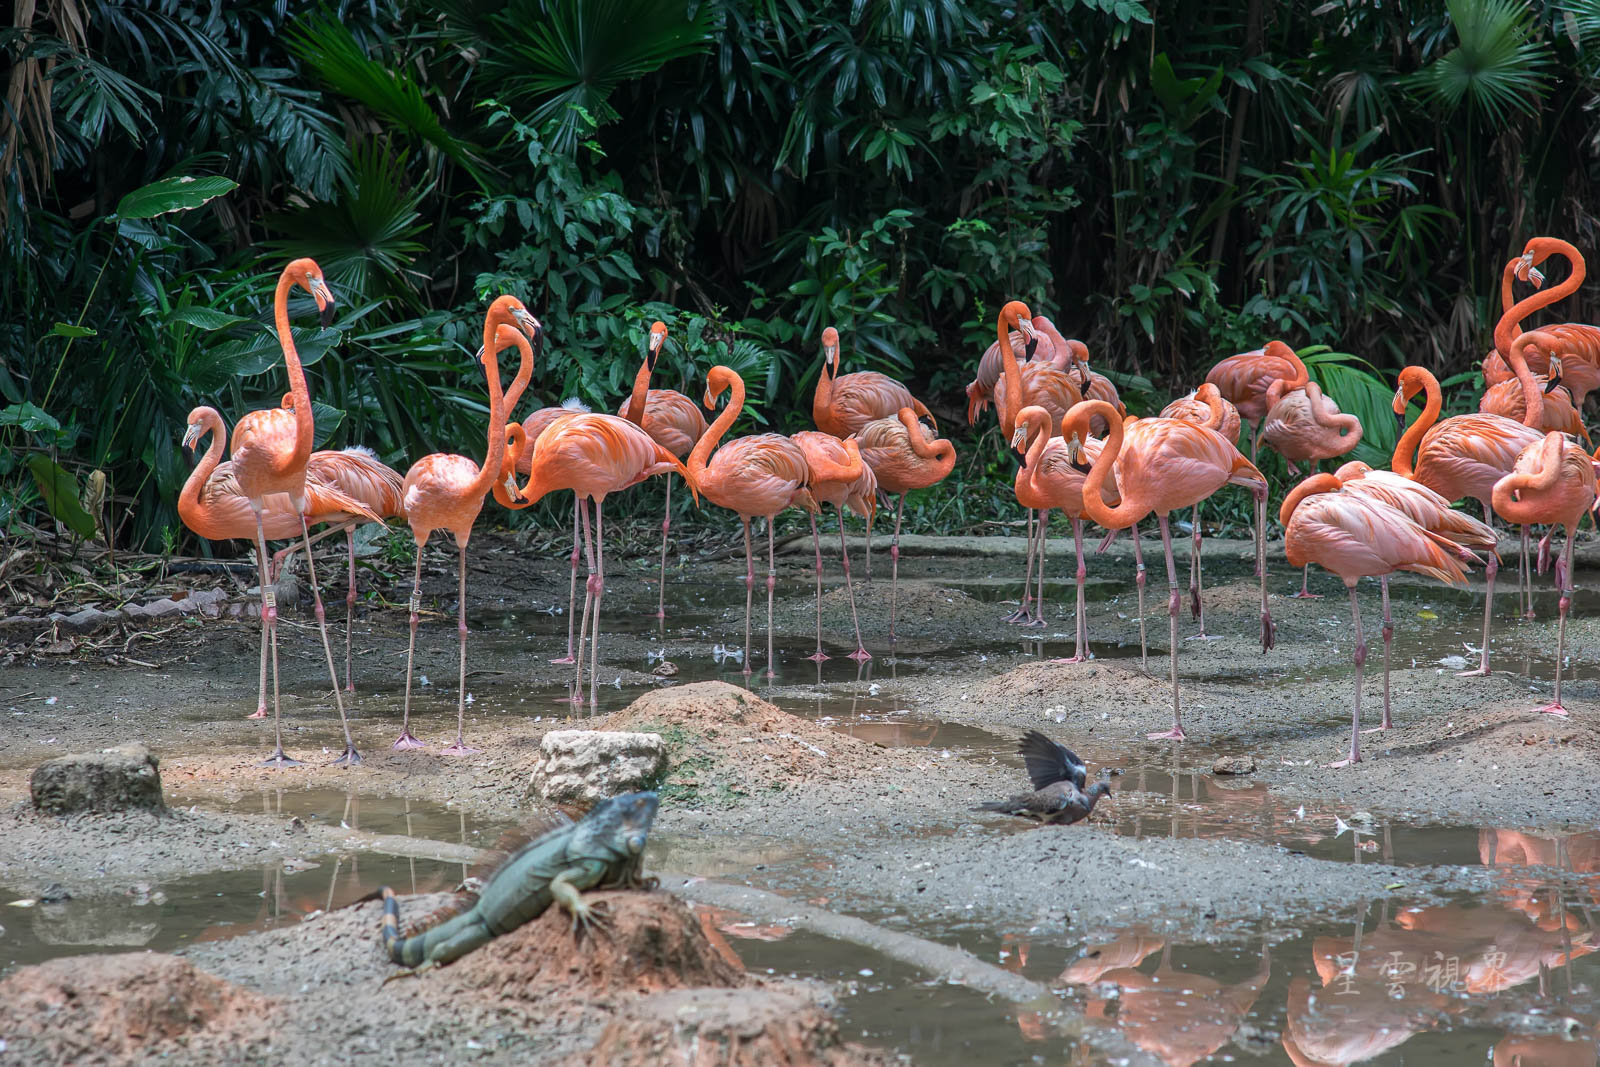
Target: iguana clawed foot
(593,919)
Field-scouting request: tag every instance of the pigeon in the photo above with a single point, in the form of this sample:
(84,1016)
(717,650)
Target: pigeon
(1058,777)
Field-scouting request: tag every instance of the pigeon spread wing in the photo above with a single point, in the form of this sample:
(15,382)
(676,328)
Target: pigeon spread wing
(1049,762)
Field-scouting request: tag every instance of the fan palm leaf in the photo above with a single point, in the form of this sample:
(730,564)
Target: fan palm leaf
(1497,68)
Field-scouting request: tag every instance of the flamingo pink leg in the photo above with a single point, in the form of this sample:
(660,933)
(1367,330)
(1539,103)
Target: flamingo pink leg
(860,654)
(599,595)
(461,748)
(666,524)
(894,557)
(1360,662)
(1565,586)
(1038,601)
(406,740)
(1080,646)
(1023,614)
(749,592)
(818,656)
(1305,592)
(349,609)
(572,586)
(1197,609)
(269,620)
(1388,640)
(1525,577)
(772,584)
(1268,631)
(1174,601)
(1138,581)
(350,757)
(1491,567)
(261,687)
(588,599)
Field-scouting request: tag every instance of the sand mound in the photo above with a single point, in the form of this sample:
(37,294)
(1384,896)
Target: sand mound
(724,738)
(1082,685)
(712,1028)
(653,943)
(109,1009)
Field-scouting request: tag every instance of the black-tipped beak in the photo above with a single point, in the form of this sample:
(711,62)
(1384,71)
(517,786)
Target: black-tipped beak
(325,314)
(1080,466)
(477,357)
(1552,385)
(1031,347)
(1400,420)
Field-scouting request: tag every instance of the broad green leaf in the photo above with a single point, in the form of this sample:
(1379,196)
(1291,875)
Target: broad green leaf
(60,491)
(328,420)
(66,329)
(29,417)
(172,194)
(206,318)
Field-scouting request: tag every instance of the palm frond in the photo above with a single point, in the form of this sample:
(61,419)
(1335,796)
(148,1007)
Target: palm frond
(1497,68)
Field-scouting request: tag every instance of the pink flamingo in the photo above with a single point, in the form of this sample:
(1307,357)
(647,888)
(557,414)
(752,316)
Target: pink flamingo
(1579,344)
(213,506)
(1560,413)
(1051,347)
(1073,356)
(1245,378)
(904,455)
(445,491)
(754,476)
(1050,477)
(1204,407)
(270,450)
(836,468)
(1425,508)
(1356,536)
(1303,424)
(842,405)
(1464,456)
(594,455)
(672,421)
(1553,482)
(1161,465)
(534,425)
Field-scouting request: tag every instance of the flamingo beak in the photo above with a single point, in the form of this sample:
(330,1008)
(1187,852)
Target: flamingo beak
(511,487)
(323,296)
(708,400)
(1018,439)
(191,435)
(1555,376)
(1033,338)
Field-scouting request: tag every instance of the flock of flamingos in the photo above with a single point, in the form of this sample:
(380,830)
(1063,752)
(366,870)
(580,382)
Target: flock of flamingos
(1081,453)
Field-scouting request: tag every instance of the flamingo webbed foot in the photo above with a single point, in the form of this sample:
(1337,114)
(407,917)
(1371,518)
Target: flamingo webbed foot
(1305,595)
(1476,672)
(567,659)
(818,656)
(1072,659)
(350,758)
(1174,734)
(1338,764)
(460,748)
(406,741)
(260,713)
(861,655)
(1554,708)
(279,759)
(1203,637)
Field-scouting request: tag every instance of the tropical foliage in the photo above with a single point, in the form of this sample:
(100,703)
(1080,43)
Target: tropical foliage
(1172,184)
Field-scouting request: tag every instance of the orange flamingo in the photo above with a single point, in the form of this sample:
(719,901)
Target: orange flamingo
(1050,478)
(270,450)
(1463,457)
(1060,352)
(904,455)
(1037,383)
(1245,378)
(1073,356)
(842,405)
(1578,343)
(1553,482)
(1359,536)
(835,471)
(755,476)
(445,491)
(1425,508)
(672,421)
(1206,407)
(213,506)
(1303,424)
(1560,413)
(534,425)
(594,455)
(1164,464)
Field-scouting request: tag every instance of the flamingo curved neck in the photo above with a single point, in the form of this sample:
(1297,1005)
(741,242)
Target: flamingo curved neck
(489,473)
(1323,414)
(1129,511)
(640,395)
(940,451)
(1532,395)
(1012,373)
(1541,480)
(701,454)
(1405,450)
(304,426)
(191,508)
(1317,483)
(1510,322)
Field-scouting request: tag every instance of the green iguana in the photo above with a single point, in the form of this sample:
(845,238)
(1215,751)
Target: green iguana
(603,850)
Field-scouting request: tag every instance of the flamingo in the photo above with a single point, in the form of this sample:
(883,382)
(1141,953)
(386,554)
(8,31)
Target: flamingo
(1245,378)
(1303,424)
(1073,356)
(1206,407)
(1358,536)
(1578,343)
(1560,412)
(835,471)
(842,405)
(1060,352)
(594,455)
(1425,508)
(213,506)
(1464,456)
(534,425)
(672,421)
(1163,464)
(1049,478)
(270,450)
(904,455)
(755,476)
(445,491)
(1037,383)
(1553,482)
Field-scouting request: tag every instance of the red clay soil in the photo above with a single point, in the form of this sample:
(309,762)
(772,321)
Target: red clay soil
(111,1009)
(724,1028)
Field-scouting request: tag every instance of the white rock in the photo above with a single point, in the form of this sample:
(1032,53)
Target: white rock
(591,765)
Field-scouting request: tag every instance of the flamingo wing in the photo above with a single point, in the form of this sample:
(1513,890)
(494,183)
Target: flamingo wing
(1358,537)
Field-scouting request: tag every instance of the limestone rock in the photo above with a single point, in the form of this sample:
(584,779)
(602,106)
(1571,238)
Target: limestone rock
(1234,765)
(114,779)
(705,1027)
(590,765)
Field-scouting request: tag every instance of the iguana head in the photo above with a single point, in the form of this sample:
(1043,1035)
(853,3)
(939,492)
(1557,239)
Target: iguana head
(619,826)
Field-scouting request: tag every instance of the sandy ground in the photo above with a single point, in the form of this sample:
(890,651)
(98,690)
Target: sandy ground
(878,823)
